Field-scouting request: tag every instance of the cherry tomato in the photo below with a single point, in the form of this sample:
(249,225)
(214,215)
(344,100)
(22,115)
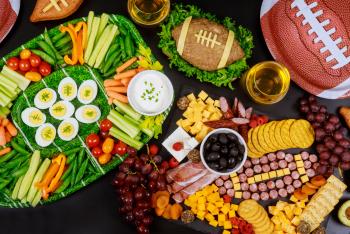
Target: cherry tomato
(96,152)
(92,140)
(105,125)
(104,158)
(12,63)
(24,65)
(44,69)
(25,54)
(227,198)
(34,69)
(33,76)
(34,60)
(131,151)
(177,146)
(120,148)
(173,162)
(108,145)
(153,149)
(104,135)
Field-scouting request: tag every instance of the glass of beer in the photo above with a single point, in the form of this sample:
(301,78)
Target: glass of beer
(148,13)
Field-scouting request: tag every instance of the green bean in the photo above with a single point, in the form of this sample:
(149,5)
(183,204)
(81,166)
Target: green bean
(8,156)
(81,170)
(16,162)
(62,42)
(122,46)
(72,151)
(111,50)
(67,173)
(80,157)
(58,36)
(44,56)
(4,183)
(122,30)
(111,60)
(74,172)
(21,171)
(63,186)
(127,43)
(20,149)
(66,47)
(91,168)
(71,157)
(46,48)
(66,52)
(49,42)
(11,185)
(110,72)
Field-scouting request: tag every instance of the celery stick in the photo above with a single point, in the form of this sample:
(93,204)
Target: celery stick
(128,110)
(134,121)
(14,194)
(126,126)
(7,82)
(99,45)
(37,178)
(102,26)
(11,94)
(92,38)
(4,99)
(89,24)
(36,199)
(106,46)
(125,138)
(20,80)
(4,111)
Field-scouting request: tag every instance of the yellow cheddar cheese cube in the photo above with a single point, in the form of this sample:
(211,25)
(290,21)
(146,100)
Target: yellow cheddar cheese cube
(273,210)
(276,220)
(179,122)
(233,175)
(278,227)
(191,97)
(221,223)
(304,179)
(280,173)
(225,210)
(238,195)
(298,210)
(202,95)
(215,188)
(296,221)
(215,211)
(300,204)
(201,207)
(217,103)
(187,128)
(293,198)
(213,223)
(194,210)
(301,170)
(225,231)
(300,163)
(272,174)
(278,232)
(231,214)
(211,207)
(206,114)
(289,212)
(251,180)
(214,116)
(227,224)
(297,157)
(286,171)
(209,101)
(235,180)
(221,217)
(219,204)
(209,217)
(237,186)
(186,122)
(202,200)
(197,117)
(188,203)
(234,207)
(265,176)
(280,205)
(257,178)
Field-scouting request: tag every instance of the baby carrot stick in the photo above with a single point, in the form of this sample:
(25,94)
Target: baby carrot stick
(118,96)
(5,151)
(111,82)
(7,136)
(5,122)
(126,65)
(11,129)
(126,81)
(2,136)
(110,101)
(117,89)
(129,73)
(140,69)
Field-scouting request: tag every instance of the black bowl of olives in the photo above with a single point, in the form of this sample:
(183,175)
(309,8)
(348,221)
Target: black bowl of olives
(223,151)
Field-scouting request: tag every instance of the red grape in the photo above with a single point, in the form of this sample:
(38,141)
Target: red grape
(329,127)
(345,156)
(130,161)
(320,148)
(333,160)
(304,109)
(138,213)
(323,109)
(303,101)
(310,117)
(324,162)
(345,166)
(325,155)
(127,198)
(131,151)
(139,193)
(157,159)
(322,169)
(124,168)
(152,185)
(162,171)
(338,135)
(338,150)
(144,157)
(146,169)
(311,98)
(316,125)
(344,143)
(314,107)
(153,175)
(333,119)
(319,134)
(165,165)
(320,117)
(142,229)
(147,220)
(330,144)
(129,217)
(138,164)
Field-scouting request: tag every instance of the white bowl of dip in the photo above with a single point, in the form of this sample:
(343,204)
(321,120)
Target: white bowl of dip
(150,92)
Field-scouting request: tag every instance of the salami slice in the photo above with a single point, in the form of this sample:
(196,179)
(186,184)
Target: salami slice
(262,187)
(219,182)
(280,155)
(273,194)
(225,177)
(282,163)
(244,186)
(256,196)
(283,192)
(272,157)
(288,180)
(295,175)
(313,158)
(274,165)
(271,184)
(297,183)
(310,172)
(304,155)
(228,184)
(279,183)
(264,160)
(292,166)
(247,164)
(257,169)
(240,170)
(253,188)
(264,196)
(249,172)
(242,177)
(222,190)
(290,189)
(315,165)
(246,195)
(307,164)
(255,161)
(231,192)
(266,168)
(289,158)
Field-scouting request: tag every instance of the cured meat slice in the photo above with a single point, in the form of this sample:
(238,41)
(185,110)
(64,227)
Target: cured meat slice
(186,174)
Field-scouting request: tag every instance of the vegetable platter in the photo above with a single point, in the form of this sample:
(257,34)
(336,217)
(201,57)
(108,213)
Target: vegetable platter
(65,116)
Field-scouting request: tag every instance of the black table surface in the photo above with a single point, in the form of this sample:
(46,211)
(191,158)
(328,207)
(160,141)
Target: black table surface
(93,209)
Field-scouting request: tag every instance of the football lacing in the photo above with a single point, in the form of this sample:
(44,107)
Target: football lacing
(323,36)
(203,38)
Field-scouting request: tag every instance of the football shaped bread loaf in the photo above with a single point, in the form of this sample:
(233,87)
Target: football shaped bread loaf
(206,44)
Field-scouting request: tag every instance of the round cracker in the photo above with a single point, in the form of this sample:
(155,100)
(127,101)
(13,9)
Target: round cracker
(255,141)
(261,139)
(272,135)
(285,130)
(267,137)
(302,134)
(269,229)
(252,151)
(257,217)
(277,134)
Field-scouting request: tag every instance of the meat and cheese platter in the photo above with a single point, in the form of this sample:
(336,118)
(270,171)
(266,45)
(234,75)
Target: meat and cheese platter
(87,96)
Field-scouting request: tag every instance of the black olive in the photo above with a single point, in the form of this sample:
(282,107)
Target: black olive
(224,150)
(215,147)
(241,149)
(232,137)
(231,162)
(233,152)
(223,163)
(232,145)
(213,156)
(215,166)
(213,138)
(239,157)
(207,145)
(223,139)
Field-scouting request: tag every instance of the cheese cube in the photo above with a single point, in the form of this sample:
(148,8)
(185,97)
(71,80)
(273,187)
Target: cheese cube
(201,207)
(300,163)
(194,210)
(289,212)
(238,195)
(276,220)
(237,186)
(231,214)
(202,200)
(251,180)
(235,180)
(304,179)
(188,203)
(215,188)
(278,232)
(273,210)
(200,215)
(227,224)
(217,103)
(296,221)
(257,178)
(213,223)
(280,173)
(221,219)
(187,128)
(211,207)
(293,198)
(280,205)
(179,122)
(215,212)
(226,232)
(225,210)
(278,228)
(232,175)
(209,101)
(209,217)
(191,97)
(272,174)
(234,207)
(286,171)
(197,116)
(298,210)
(297,157)
(301,170)
(265,176)
(206,114)
(203,95)
(186,122)
(219,204)
(300,204)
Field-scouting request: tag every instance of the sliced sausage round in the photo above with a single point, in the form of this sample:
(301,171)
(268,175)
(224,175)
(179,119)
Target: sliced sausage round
(228,184)
(287,180)
(279,183)
(244,186)
(282,164)
(225,177)
(290,189)
(315,165)
(249,172)
(310,172)
(304,155)
(274,165)
(266,168)
(264,196)
(292,166)
(247,164)
(253,188)
(289,158)
(283,192)
(255,161)
(272,157)
(273,194)
(222,190)
(219,182)
(231,192)
(262,187)
(246,195)
(264,160)
(280,155)
(297,183)
(240,170)
(256,196)
(313,158)
(271,184)
(242,178)
(257,169)
(295,175)
(307,164)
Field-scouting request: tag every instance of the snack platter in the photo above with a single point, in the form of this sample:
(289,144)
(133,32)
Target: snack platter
(87,96)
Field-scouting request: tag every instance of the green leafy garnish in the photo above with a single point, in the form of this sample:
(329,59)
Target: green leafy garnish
(146,61)
(154,123)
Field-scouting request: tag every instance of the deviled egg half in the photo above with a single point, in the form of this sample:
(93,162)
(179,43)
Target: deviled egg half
(62,110)
(87,91)
(68,129)
(45,98)
(67,89)
(88,114)
(33,117)
(45,135)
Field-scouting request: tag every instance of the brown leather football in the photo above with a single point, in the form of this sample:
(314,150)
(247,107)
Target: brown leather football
(206,44)
(54,9)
